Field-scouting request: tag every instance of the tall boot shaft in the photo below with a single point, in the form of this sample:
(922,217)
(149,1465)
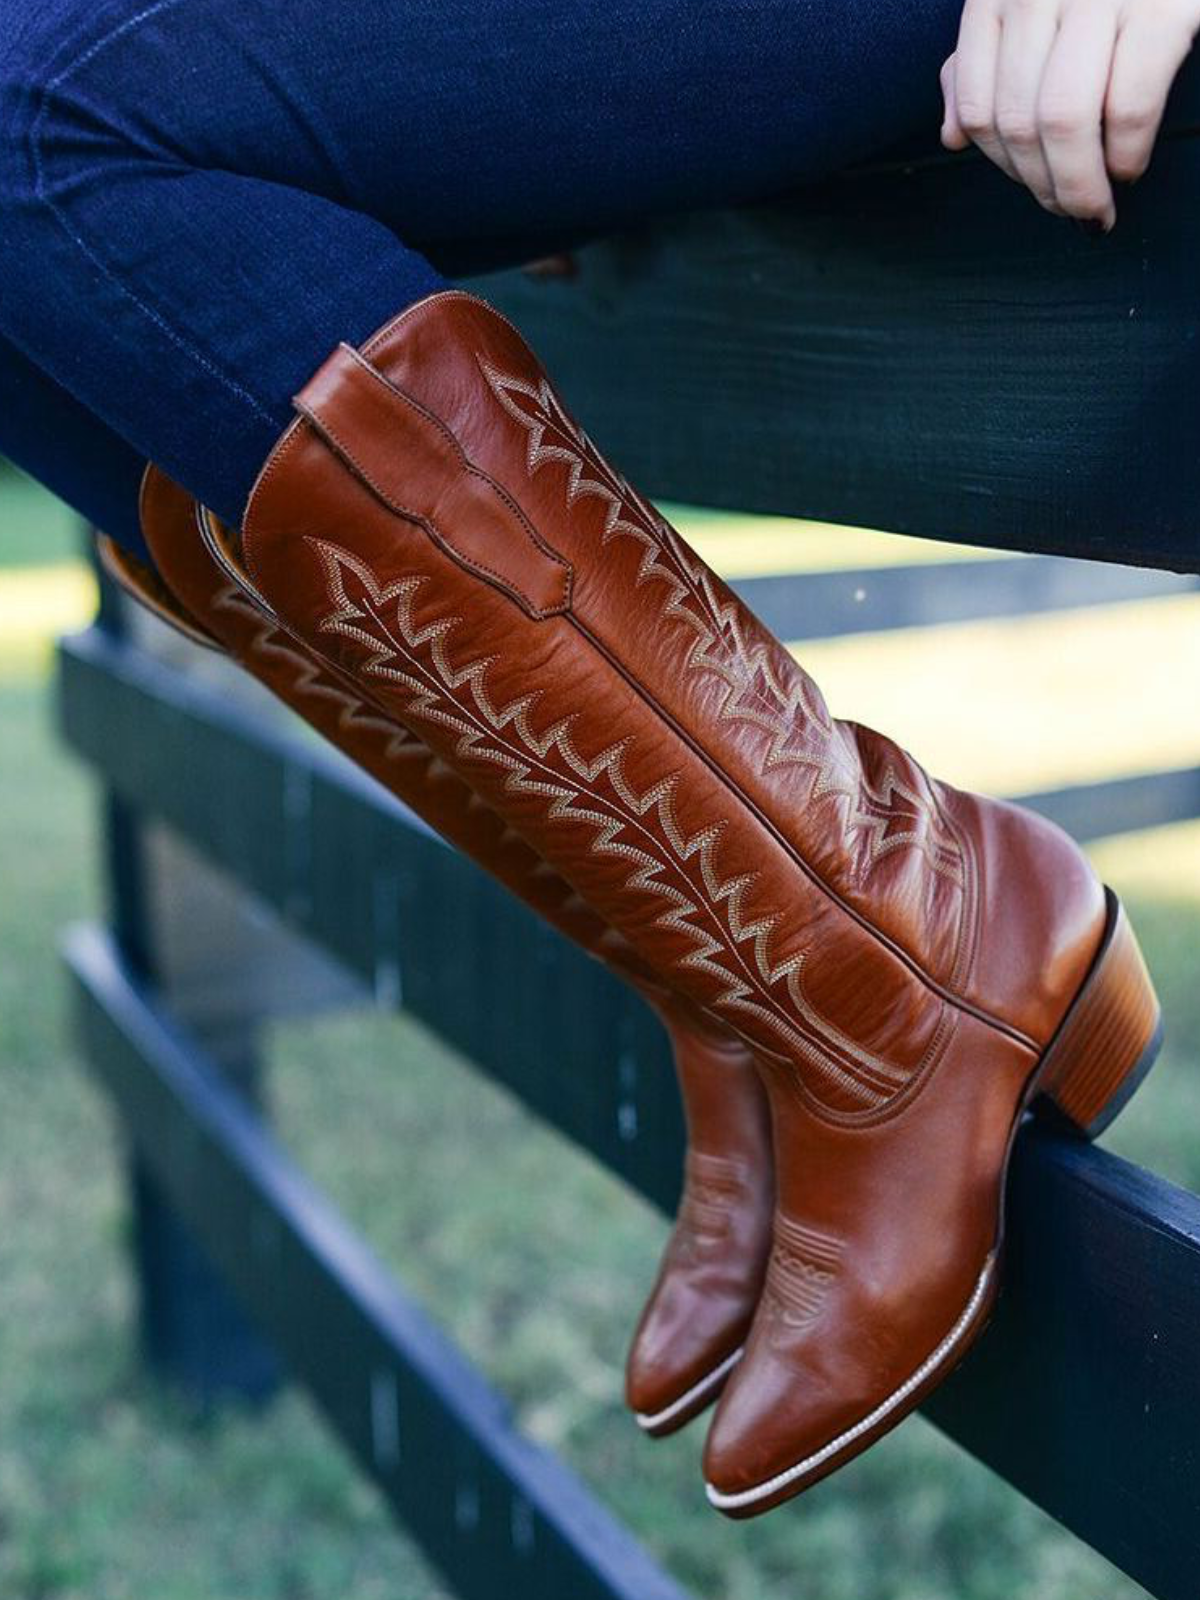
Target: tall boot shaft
(707,1288)
(436,523)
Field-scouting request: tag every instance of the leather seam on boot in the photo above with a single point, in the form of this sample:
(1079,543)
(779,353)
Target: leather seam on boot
(473,563)
(959,1002)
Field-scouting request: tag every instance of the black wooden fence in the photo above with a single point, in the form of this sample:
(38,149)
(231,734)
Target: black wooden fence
(913,347)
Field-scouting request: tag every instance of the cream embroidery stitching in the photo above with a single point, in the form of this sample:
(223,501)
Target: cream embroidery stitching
(803,1266)
(795,717)
(712,1185)
(547,763)
(311,680)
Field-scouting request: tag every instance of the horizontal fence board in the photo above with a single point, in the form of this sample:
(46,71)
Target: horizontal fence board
(1085,1391)
(914,346)
(820,605)
(498,1514)
(1122,805)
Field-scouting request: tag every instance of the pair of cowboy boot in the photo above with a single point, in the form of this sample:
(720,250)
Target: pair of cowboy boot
(691,1330)
(913,967)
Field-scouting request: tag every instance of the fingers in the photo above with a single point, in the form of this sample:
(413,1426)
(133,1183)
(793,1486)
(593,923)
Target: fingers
(1027,37)
(1071,112)
(975,80)
(1064,95)
(1149,52)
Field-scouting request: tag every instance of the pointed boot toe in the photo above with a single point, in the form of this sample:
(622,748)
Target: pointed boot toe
(844,1344)
(690,1335)
(687,1343)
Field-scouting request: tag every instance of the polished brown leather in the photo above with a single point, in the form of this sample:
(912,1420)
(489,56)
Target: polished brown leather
(899,954)
(700,1310)
(143,583)
(696,1320)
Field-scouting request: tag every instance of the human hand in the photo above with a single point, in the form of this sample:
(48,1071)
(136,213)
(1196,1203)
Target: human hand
(1066,95)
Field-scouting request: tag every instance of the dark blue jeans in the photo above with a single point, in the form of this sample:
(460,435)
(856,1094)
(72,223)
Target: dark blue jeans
(199,198)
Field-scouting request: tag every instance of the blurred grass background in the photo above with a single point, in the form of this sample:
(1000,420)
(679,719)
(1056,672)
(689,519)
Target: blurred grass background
(533,1258)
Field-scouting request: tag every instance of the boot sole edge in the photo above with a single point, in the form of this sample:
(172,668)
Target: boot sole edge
(690,1403)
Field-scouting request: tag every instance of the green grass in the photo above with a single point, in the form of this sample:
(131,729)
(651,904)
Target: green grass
(107,1488)
(37,529)
(532,1257)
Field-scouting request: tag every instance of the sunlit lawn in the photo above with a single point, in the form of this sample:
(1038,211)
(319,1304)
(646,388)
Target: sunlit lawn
(108,1489)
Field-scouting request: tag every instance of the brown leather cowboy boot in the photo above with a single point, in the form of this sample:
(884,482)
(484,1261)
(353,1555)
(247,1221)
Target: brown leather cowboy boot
(691,1331)
(916,965)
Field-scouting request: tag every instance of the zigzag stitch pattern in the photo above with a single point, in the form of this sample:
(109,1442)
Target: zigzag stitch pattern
(753,691)
(457,698)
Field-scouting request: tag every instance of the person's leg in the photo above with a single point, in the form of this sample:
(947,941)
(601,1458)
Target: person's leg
(171,250)
(914,964)
(47,433)
(199,199)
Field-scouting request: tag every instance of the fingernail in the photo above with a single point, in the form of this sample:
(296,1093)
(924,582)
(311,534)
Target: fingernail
(1094,227)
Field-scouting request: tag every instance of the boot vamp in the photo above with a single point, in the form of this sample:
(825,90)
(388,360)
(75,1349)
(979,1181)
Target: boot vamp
(886,1238)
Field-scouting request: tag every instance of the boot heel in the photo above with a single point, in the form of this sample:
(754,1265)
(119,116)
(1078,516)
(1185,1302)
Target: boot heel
(1109,1038)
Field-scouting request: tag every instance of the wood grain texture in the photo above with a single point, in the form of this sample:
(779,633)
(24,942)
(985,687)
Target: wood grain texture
(912,346)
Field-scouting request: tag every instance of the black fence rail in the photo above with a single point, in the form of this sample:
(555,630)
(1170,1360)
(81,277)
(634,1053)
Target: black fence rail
(825,360)
(499,1515)
(825,603)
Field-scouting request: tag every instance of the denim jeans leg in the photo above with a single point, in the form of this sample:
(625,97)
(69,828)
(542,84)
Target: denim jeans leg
(47,433)
(200,198)
(156,261)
